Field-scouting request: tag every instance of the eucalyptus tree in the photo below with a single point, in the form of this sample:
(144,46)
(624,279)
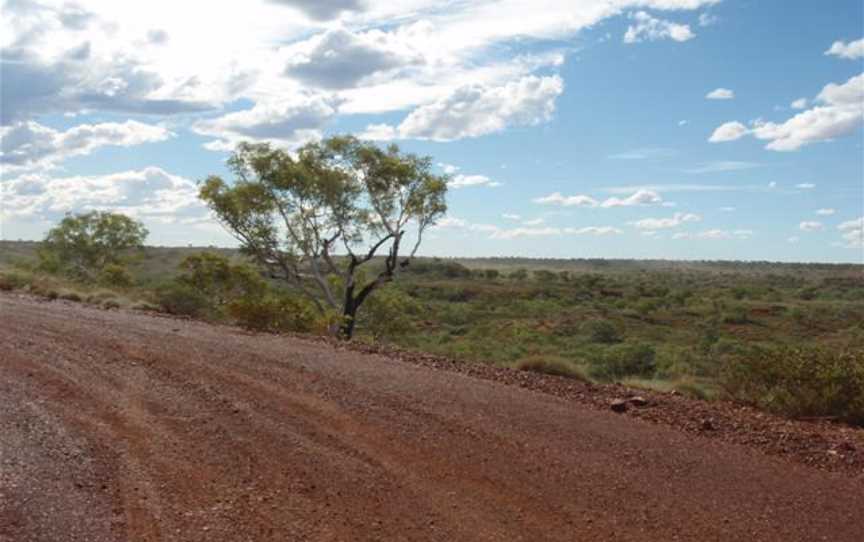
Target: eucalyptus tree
(313,218)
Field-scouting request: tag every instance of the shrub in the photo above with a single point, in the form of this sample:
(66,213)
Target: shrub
(551,366)
(182,299)
(602,331)
(13,281)
(619,361)
(215,277)
(115,275)
(274,313)
(799,382)
(737,315)
(70,296)
(387,314)
(491,274)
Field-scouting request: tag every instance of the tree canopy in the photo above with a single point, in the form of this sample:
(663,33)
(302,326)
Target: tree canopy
(85,244)
(314,217)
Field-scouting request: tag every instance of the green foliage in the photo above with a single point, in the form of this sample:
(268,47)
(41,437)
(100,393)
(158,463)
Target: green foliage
(215,277)
(182,299)
(799,381)
(491,274)
(388,314)
(11,280)
(290,210)
(622,360)
(551,365)
(83,245)
(602,331)
(518,274)
(274,313)
(115,275)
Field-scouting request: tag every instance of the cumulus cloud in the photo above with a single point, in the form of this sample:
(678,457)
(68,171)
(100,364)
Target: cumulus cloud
(852,232)
(28,145)
(648,28)
(323,10)
(150,194)
(840,112)
(811,225)
(800,103)
(476,110)
(729,131)
(664,223)
(805,186)
(288,123)
(720,94)
(851,50)
(339,59)
(825,211)
(461,181)
(639,197)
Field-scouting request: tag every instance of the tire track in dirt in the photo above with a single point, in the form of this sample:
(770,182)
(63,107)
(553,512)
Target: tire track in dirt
(178,430)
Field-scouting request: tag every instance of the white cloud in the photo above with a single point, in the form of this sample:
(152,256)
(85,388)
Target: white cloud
(805,186)
(729,131)
(594,230)
(851,50)
(683,122)
(461,181)
(852,232)
(716,234)
(810,225)
(707,19)
(340,59)
(639,197)
(28,145)
(720,94)
(648,28)
(825,211)
(323,10)
(514,233)
(476,110)
(533,222)
(792,240)
(150,194)
(772,184)
(841,113)
(727,209)
(800,103)
(567,201)
(448,169)
(511,216)
(287,123)
(664,223)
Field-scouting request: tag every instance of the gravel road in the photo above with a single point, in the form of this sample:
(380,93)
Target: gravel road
(117,425)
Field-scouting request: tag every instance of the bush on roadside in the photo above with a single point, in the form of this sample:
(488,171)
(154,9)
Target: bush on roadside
(799,381)
(115,276)
(274,313)
(623,360)
(551,365)
(182,300)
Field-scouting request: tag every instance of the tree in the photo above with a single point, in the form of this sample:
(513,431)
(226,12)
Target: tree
(291,214)
(85,244)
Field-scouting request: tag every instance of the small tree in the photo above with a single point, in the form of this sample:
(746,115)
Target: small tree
(291,213)
(85,244)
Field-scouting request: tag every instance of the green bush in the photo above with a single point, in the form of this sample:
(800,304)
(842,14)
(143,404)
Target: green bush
(274,313)
(387,314)
(115,275)
(602,331)
(13,281)
(182,299)
(799,382)
(551,366)
(623,360)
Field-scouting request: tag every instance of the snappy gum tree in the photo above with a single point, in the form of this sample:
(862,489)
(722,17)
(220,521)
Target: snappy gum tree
(292,214)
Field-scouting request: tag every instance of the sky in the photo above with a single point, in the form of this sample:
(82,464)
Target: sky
(675,129)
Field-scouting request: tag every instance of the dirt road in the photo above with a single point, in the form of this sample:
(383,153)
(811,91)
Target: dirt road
(124,426)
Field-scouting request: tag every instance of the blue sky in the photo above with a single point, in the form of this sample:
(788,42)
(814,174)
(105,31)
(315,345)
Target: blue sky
(680,129)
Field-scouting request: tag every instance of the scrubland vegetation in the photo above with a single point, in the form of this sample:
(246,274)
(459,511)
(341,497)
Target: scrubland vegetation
(788,338)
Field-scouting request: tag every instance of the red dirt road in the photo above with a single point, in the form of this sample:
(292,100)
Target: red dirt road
(124,426)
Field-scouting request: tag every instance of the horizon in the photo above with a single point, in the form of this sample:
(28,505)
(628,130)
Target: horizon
(666,130)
